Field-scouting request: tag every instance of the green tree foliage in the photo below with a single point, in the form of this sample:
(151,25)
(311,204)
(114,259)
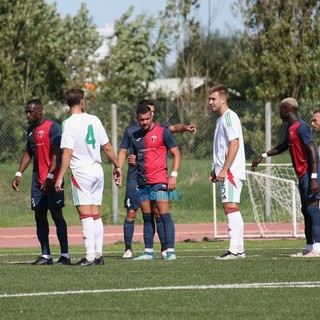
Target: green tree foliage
(41,54)
(278,54)
(138,47)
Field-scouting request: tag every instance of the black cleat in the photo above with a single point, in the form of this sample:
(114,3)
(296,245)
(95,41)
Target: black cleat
(84,262)
(63,261)
(42,261)
(99,261)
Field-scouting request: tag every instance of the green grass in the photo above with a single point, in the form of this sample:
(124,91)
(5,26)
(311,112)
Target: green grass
(192,287)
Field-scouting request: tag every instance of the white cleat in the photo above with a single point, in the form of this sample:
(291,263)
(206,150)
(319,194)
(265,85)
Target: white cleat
(127,254)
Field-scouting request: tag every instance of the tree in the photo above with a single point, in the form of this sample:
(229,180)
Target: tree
(38,50)
(132,60)
(278,54)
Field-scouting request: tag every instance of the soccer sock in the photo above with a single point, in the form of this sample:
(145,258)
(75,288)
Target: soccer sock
(43,237)
(61,227)
(99,233)
(148,230)
(314,212)
(161,234)
(169,230)
(308,228)
(128,230)
(88,236)
(235,228)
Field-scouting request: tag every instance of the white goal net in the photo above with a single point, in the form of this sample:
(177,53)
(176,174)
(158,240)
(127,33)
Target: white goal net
(275,200)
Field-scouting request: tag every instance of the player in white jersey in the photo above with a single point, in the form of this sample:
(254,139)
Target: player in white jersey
(229,167)
(82,139)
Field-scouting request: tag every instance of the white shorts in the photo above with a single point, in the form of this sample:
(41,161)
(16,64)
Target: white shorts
(87,185)
(231,190)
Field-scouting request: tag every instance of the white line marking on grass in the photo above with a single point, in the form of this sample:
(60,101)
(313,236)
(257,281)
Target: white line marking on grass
(307,284)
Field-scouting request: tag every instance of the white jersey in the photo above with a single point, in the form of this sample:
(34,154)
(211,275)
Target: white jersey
(84,134)
(228,127)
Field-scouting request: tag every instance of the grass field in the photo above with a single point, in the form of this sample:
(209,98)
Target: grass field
(268,284)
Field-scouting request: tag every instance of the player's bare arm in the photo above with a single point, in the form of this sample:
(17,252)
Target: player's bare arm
(122,157)
(232,152)
(65,162)
(24,162)
(272,152)
(172,183)
(311,149)
(179,128)
(117,172)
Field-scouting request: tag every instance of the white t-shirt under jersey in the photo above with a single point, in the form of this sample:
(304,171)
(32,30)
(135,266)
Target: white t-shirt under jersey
(228,127)
(84,134)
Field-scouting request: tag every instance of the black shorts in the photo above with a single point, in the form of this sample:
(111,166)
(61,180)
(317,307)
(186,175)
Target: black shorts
(41,201)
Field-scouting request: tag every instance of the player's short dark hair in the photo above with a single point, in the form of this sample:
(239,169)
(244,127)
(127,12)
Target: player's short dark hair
(74,96)
(143,106)
(35,102)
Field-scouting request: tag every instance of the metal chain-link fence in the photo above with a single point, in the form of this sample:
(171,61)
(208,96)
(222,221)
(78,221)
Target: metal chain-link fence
(193,203)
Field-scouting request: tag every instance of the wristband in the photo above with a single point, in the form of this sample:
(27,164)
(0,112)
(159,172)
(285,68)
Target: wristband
(314,175)
(18,174)
(50,176)
(174,174)
(264,155)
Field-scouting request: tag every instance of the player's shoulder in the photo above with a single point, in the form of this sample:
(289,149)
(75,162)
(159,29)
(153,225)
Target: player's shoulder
(133,127)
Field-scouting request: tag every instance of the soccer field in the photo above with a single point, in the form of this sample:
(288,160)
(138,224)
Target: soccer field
(268,284)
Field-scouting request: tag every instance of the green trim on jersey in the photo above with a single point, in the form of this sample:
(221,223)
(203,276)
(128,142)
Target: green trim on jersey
(228,119)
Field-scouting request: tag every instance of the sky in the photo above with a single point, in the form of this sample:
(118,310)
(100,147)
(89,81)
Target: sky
(108,11)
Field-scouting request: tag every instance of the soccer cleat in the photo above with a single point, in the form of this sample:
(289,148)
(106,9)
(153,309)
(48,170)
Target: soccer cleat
(63,261)
(312,254)
(300,254)
(42,261)
(164,253)
(127,254)
(146,256)
(170,256)
(227,256)
(241,255)
(84,262)
(99,261)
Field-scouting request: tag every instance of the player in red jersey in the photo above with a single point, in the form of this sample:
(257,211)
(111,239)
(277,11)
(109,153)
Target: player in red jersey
(149,147)
(304,158)
(43,145)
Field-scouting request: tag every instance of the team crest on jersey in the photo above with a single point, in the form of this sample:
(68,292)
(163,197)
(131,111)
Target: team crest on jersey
(40,133)
(153,138)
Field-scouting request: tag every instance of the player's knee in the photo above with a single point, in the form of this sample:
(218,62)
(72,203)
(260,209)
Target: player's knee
(131,215)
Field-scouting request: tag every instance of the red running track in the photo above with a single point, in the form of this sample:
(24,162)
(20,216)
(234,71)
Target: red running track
(26,237)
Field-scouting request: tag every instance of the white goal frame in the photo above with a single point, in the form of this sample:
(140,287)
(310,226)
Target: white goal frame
(262,229)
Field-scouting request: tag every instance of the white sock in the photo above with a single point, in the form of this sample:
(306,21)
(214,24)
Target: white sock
(149,250)
(99,233)
(235,226)
(316,246)
(88,237)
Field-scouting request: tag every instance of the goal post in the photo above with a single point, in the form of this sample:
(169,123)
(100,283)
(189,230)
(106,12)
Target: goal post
(272,197)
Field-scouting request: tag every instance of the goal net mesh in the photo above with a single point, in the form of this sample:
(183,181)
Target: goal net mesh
(275,200)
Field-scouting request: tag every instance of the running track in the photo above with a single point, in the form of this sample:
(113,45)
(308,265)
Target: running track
(26,237)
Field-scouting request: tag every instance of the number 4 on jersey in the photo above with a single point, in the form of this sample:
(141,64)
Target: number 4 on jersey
(90,136)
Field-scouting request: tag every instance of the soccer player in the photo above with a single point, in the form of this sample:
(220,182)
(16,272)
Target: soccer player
(304,158)
(131,200)
(43,145)
(315,123)
(149,148)
(229,167)
(82,139)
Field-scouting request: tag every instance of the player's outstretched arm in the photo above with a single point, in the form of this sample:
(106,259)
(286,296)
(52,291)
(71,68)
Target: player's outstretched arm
(179,128)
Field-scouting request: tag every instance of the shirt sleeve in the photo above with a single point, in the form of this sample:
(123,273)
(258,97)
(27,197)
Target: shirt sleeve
(55,134)
(305,133)
(234,127)
(125,142)
(168,139)
(68,136)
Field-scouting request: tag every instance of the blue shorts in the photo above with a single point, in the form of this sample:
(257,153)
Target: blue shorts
(41,201)
(131,199)
(149,192)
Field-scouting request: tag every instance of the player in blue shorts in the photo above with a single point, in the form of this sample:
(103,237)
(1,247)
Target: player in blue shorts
(43,145)
(131,200)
